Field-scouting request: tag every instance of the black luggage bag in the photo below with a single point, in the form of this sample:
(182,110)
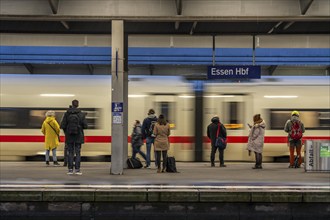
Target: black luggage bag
(170,165)
(134,163)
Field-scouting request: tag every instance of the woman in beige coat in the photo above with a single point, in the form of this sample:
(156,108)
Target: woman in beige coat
(161,132)
(256,139)
(51,129)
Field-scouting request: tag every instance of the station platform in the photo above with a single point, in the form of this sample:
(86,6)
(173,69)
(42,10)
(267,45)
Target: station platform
(31,190)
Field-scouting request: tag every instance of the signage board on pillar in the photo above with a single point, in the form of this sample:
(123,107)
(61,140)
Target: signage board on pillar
(234,72)
(117,112)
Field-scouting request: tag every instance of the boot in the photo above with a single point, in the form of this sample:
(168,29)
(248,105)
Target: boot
(56,163)
(212,164)
(47,163)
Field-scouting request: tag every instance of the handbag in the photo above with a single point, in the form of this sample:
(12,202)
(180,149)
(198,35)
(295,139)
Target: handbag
(220,142)
(58,136)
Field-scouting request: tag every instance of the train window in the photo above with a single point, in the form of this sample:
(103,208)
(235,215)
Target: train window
(168,110)
(313,119)
(234,115)
(8,118)
(29,118)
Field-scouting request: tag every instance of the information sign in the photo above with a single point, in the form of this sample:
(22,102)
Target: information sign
(232,72)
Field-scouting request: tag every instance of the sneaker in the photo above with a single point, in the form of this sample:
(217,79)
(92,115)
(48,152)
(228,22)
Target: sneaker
(70,172)
(222,165)
(147,167)
(47,163)
(56,163)
(78,173)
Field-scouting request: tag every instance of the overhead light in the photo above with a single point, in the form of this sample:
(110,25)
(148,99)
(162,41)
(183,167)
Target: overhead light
(136,96)
(219,96)
(57,95)
(280,96)
(186,96)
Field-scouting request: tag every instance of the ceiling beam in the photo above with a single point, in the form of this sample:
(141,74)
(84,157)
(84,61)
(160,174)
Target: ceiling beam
(90,68)
(178,4)
(305,5)
(91,18)
(275,27)
(54,4)
(271,69)
(193,28)
(29,67)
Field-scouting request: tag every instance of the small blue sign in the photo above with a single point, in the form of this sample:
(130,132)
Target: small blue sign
(232,72)
(117,107)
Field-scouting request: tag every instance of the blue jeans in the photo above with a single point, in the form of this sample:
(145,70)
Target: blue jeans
(54,154)
(149,142)
(74,149)
(136,150)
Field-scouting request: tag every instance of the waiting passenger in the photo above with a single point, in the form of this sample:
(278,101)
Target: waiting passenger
(73,123)
(295,129)
(147,133)
(212,131)
(137,140)
(256,139)
(162,132)
(51,129)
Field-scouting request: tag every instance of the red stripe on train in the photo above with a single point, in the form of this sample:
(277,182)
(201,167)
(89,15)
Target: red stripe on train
(174,139)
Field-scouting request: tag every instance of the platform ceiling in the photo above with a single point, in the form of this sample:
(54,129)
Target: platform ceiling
(182,17)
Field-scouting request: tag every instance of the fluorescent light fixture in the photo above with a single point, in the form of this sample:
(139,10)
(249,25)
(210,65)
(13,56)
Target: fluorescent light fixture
(136,96)
(280,96)
(186,96)
(219,96)
(57,95)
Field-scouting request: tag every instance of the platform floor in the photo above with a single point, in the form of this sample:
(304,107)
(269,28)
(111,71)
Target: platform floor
(97,174)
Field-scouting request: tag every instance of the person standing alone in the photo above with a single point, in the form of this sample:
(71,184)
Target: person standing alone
(73,123)
(295,129)
(256,139)
(212,132)
(51,130)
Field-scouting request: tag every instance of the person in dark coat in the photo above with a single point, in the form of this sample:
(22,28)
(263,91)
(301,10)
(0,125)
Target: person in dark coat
(74,135)
(137,140)
(212,135)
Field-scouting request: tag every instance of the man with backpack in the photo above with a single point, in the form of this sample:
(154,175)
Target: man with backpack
(295,129)
(147,133)
(73,124)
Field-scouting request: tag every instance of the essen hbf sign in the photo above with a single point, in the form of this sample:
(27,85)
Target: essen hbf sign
(231,72)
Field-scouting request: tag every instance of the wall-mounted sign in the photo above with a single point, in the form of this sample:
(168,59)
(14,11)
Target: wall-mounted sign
(232,72)
(117,107)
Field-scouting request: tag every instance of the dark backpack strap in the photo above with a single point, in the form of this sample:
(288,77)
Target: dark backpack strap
(58,136)
(218,131)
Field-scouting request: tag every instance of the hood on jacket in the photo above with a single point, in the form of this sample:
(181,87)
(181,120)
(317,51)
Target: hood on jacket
(261,124)
(73,110)
(215,120)
(50,118)
(294,118)
(152,116)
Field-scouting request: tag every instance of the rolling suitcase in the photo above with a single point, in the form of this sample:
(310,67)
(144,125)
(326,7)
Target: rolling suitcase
(170,165)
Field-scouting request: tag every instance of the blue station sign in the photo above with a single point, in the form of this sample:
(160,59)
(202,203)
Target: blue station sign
(117,107)
(232,72)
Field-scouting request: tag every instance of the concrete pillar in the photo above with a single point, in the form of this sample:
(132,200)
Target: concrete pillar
(119,100)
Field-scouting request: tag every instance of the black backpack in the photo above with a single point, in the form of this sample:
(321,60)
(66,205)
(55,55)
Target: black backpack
(73,123)
(134,163)
(151,128)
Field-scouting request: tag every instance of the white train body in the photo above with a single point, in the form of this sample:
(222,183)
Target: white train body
(25,98)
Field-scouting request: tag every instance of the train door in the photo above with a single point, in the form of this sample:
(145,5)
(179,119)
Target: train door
(179,113)
(233,110)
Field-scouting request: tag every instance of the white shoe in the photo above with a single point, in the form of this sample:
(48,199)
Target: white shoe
(70,172)
(78,173)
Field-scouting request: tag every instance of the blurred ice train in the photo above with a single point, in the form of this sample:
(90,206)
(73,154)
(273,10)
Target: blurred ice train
(26,98)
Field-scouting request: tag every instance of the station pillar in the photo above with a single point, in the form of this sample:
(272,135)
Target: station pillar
(119,102)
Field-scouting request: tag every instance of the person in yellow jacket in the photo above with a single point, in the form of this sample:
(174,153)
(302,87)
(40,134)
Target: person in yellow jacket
(51,129)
